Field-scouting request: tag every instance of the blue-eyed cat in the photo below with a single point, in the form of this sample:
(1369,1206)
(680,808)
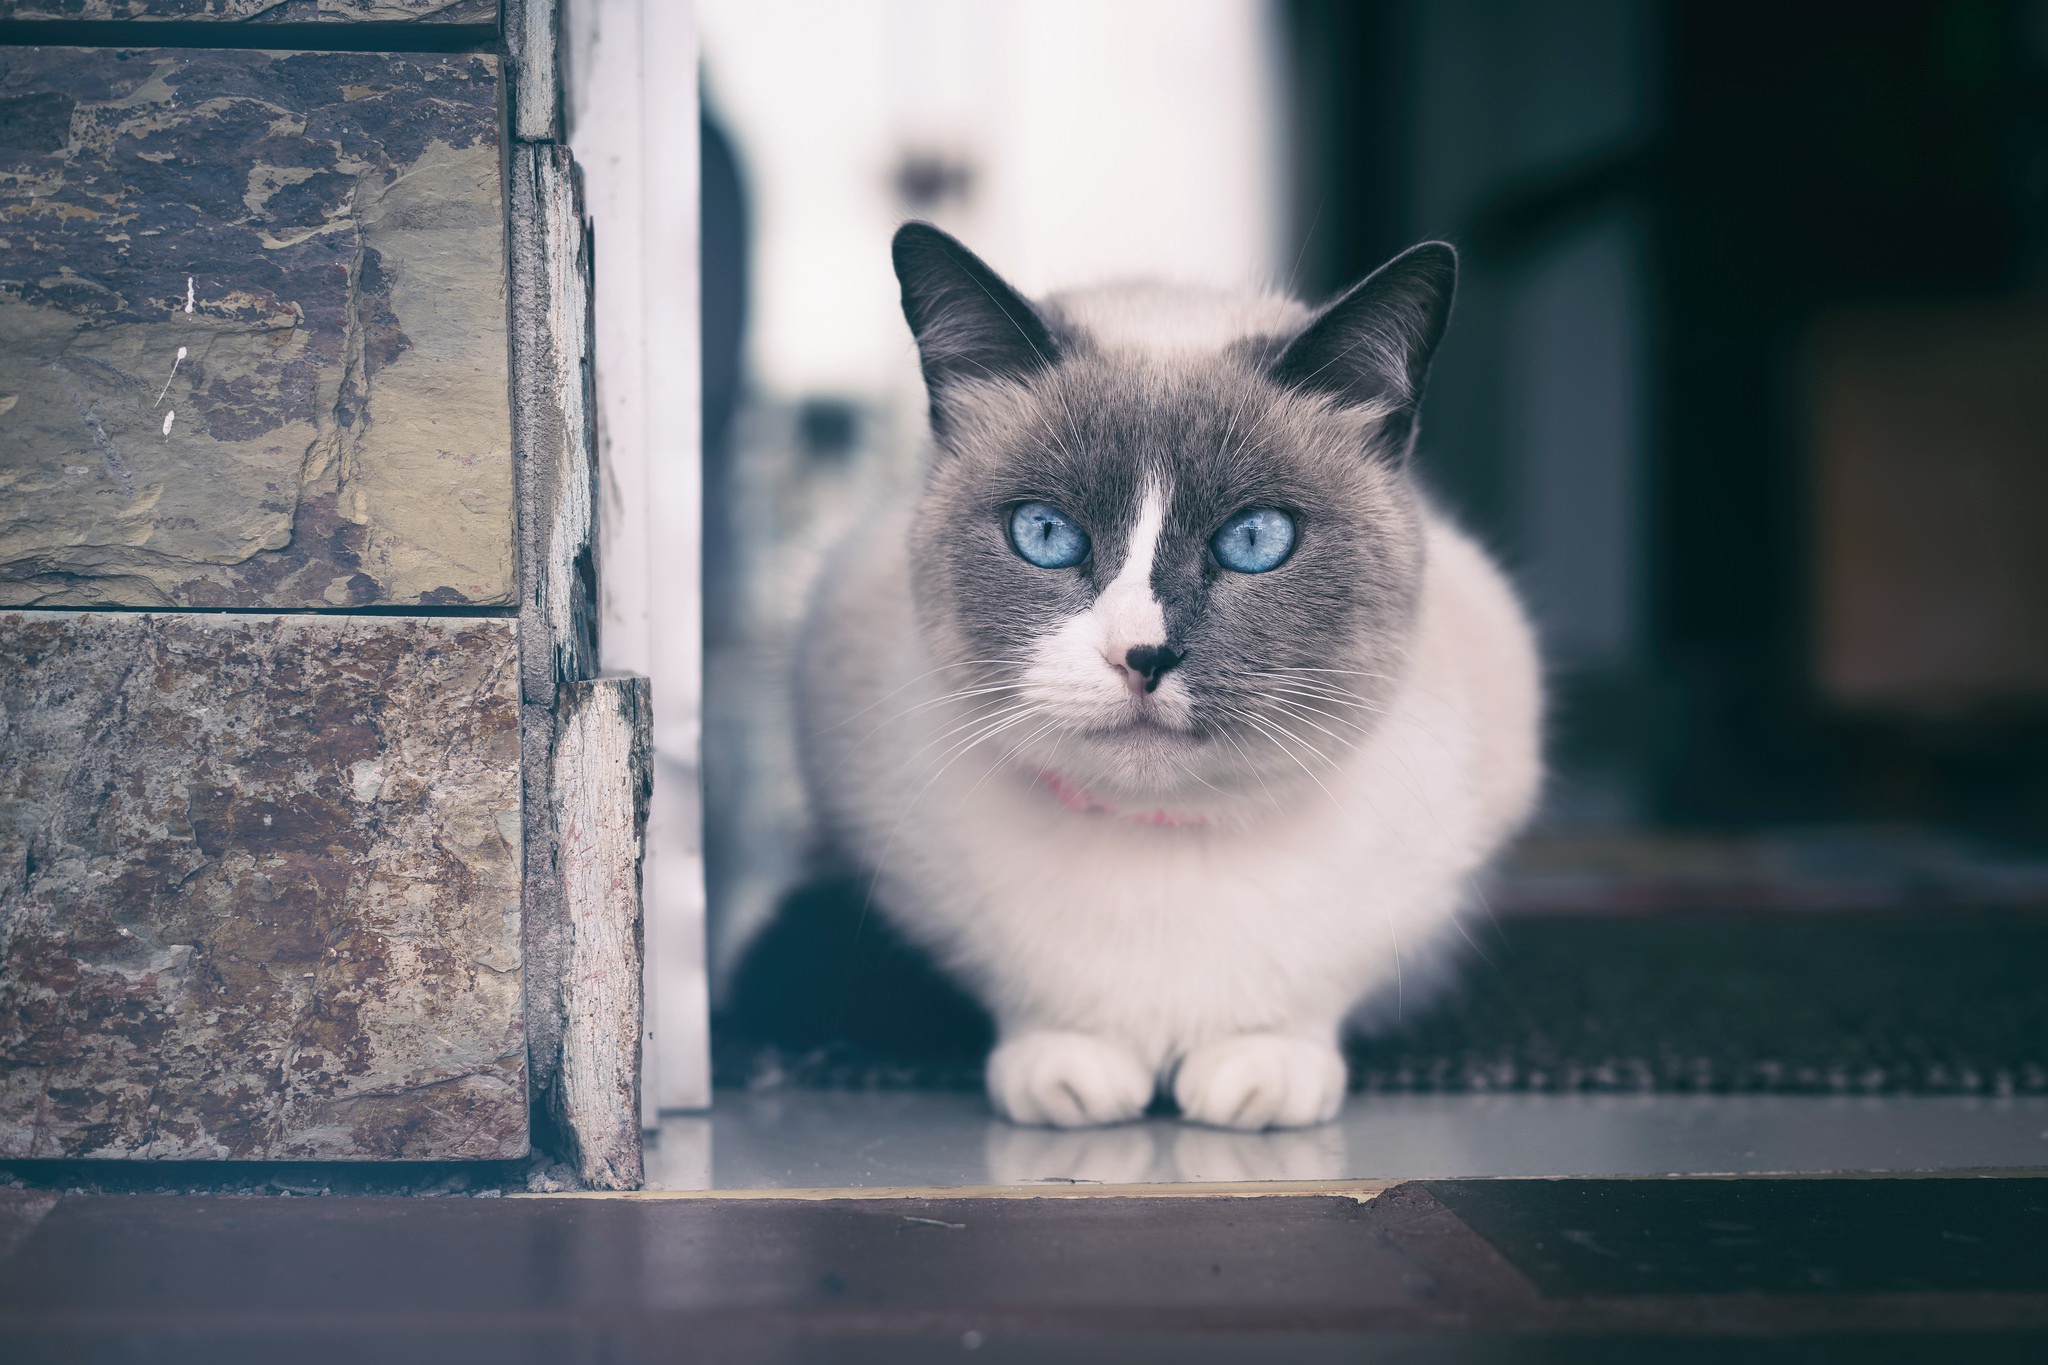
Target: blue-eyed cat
(1169,716)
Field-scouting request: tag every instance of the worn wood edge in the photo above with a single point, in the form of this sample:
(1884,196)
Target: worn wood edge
(550,441)
(554,457)
(602,773)
(533,47)
(553,435)
(543,922)
(1360,1191)
(569,565)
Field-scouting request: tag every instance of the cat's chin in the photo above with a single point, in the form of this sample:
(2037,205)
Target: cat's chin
(1141,758)
(1145,761)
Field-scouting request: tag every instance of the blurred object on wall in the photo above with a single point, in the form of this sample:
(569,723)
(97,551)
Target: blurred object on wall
(1885,162)
(1930,431)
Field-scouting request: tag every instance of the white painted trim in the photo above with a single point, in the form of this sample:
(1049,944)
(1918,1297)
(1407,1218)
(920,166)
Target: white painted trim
(632,101)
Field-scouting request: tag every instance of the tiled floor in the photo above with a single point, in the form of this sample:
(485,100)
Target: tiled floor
(804,1139)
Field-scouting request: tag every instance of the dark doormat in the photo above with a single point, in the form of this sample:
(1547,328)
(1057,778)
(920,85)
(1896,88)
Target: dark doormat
(1941,1001)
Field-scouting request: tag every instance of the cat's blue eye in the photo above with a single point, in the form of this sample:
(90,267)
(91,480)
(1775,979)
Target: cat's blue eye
(1045,536)
(1255,540)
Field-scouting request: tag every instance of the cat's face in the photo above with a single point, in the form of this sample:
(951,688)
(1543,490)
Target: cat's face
(1162,576)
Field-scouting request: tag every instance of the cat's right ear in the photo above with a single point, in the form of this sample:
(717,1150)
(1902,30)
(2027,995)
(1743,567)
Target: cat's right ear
(970,326)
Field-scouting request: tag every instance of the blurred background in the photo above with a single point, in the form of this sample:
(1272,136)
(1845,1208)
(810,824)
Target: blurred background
(1747,382)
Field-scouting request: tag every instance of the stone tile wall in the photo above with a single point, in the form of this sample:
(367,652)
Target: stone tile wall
(261,889)
(252,330)
(261,827)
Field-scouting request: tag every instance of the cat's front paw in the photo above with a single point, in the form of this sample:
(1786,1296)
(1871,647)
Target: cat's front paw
(1260,1080)
(1067,1080)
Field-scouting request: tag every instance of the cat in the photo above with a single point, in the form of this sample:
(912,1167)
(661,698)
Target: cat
(1169,716)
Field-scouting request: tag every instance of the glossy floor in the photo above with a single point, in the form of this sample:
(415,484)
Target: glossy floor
(813,1139)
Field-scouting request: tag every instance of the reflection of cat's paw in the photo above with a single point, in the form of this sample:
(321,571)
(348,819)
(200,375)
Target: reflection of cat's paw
(1260,1080)
(1089,1156)
(1201,1154)
(1068,1080)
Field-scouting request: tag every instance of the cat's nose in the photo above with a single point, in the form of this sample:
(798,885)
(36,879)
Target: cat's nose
(1151,662)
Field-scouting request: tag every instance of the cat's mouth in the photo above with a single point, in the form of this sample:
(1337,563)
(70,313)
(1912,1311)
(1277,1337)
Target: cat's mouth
(1146,725)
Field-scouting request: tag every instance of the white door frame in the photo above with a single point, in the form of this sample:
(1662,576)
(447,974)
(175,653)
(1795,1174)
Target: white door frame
(632,106)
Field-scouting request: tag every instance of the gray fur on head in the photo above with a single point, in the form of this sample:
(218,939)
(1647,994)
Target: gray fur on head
(1087,400)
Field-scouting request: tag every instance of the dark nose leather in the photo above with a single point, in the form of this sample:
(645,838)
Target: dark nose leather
(1151,663)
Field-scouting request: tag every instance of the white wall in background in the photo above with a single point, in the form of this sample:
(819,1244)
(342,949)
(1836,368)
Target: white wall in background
(633,126)
(1105,138)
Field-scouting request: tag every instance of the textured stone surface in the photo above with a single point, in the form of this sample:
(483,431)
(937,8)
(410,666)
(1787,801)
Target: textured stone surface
(603,774)
(261,11)
(259,887)
(338,431)
(557,484)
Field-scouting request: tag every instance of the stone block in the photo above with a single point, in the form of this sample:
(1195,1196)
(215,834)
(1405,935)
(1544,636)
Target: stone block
(253,346)
(260,887)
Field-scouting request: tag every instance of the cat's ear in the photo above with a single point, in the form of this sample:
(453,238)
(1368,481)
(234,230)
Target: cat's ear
(1372,347)
(970,325)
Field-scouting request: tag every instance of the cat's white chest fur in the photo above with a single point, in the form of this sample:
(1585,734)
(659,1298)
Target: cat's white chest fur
(1115,949)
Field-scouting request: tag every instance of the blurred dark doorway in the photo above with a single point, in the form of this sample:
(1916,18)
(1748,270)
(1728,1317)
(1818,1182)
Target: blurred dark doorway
(1811,246)
(1852,224)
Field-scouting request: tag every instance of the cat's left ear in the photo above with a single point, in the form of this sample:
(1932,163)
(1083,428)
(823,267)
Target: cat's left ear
(1372,347)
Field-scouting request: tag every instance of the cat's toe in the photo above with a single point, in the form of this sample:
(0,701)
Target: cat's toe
(1260,1080)
(1067,1080)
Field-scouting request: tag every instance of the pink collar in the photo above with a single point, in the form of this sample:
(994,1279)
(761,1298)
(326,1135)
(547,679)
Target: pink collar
(1074,799)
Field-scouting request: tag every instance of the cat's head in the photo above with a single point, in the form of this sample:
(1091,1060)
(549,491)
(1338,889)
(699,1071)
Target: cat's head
(1169,546)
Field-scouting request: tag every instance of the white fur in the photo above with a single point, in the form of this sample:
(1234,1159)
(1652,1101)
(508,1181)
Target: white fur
(1158,320)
